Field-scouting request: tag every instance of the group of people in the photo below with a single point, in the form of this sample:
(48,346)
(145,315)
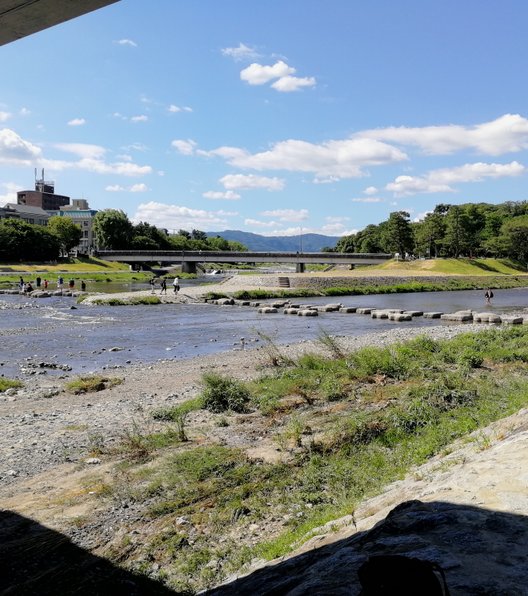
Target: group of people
(163,285)
(27,287)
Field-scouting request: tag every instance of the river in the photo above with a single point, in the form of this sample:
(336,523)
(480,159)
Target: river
(57,330)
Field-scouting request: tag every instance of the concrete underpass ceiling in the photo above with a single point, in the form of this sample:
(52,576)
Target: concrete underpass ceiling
(19,18)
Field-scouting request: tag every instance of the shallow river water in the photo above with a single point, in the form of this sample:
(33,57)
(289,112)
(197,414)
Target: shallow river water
(49,330)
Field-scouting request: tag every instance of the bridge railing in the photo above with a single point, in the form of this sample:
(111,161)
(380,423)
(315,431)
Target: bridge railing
(244,256)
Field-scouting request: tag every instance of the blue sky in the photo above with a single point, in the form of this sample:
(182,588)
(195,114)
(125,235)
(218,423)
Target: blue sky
(271,117)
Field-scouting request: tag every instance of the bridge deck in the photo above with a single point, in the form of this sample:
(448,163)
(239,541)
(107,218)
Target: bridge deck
(196,256)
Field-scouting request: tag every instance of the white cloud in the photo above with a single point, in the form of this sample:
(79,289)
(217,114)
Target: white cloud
(136,147)
(15,150)
(260,224)
(140,118)
(228,195)
(289,83)
(250,182)
(126,42)
(339,159)
(370,190)
(4,116)
(10,196)
(367,200)
(184,147)
(441,180)
(175,217)
(24,112)
(242,52)
(174,108)
(138,188)
(506,134)
(257,74)
(115,188)
(76,122)
(287,214)
(82,149)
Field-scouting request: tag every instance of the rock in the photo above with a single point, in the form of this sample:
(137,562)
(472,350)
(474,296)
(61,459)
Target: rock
(486,317)
(512,320)
(267,310)
(380,314)
(432,315)
(414,313)
(92,461)
(459,316)
(364,311)
(116,349)
(290,311)
(348,309)
(479,551)
(398,317)
(308,312)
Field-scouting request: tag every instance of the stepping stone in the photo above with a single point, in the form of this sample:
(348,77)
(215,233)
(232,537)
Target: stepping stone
(397,316)
(291,311)
(265,310)
(308,312)
(380,314)
(414,313)
(459,317)
(364,311)
(486,317)
(512,320)
(432,315)
(348,309)
(280,304)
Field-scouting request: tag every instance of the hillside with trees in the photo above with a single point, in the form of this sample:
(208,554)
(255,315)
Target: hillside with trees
(468,230)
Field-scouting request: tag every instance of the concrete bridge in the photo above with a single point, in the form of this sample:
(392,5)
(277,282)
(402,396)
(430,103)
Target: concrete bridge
(189,258)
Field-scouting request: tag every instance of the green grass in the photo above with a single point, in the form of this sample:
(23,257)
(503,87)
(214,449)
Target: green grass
(6,384)
(461,266)
(91,384)
(356,422)
(131,301)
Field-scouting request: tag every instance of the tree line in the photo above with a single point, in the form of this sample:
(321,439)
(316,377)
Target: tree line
(22,241)
(467,230)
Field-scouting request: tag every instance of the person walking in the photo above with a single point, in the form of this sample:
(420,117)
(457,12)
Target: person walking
(488,295)
(163,286)
(152,285)
(176,284)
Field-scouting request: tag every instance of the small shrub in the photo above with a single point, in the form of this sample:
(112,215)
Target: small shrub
(221,394)
(92,383)
(6,384)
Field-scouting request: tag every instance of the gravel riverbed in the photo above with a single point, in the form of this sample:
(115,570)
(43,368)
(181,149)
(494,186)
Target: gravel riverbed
(44,426)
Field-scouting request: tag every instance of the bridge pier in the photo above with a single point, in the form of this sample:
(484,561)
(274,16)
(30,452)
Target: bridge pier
(300,268)
(188,267)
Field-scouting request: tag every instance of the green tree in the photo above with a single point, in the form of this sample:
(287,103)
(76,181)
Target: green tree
(458,231)
(397,235)
(346,244)
(113,230)
(368,240)
(149,237)
(429,233)
(21,241)
(68,232)
(514,234)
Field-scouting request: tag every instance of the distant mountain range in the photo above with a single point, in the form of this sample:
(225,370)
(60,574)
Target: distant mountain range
(256,242)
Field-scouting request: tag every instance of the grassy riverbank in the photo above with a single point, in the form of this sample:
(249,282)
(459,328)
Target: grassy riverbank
(328,432)
(357,287)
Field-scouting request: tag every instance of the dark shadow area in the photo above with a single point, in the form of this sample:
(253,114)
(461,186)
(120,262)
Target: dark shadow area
(479,551)
(38,561)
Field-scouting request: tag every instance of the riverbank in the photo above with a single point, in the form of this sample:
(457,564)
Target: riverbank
(63,453)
